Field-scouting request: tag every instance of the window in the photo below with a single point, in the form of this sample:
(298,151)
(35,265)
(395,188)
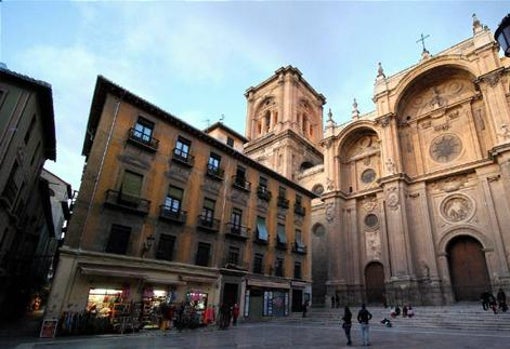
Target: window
(263,183)
(278,266)
(35,153)
(203,251)
(11,187)
(257,263)
(182,148)
(118,240)
(233,255)
(282,192)
(236,219)
(240,179)
(131,188)
(281,238)
(297,270)
(213,165)
(298,236)
(173,200)
(267,120)
(208,212)
(30,129)
(230,142)
(165,247)
(143,130)
(298,200)
(262,234)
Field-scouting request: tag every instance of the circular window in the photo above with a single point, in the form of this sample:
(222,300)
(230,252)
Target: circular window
(368,176)
(445,148)
(371,220)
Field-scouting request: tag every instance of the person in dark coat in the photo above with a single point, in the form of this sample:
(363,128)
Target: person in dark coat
(347,324)
(364,317)
(501,297)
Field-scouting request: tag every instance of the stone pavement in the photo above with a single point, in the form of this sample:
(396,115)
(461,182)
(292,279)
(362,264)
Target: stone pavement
(276,335)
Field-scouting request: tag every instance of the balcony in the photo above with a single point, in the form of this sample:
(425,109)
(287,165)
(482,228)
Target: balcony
(166,213)
(263,193)
(234,263)
(134,204)
(299,248)
(211,225)
(216,173)
(183,158)
(143,141)
(283,202)
(299,210)
(236,232)
(281,245)
(239,182)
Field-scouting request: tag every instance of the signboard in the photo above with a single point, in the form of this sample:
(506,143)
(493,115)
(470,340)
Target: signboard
(49,328)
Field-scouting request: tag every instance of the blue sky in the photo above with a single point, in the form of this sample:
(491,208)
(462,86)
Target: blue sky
(196,59)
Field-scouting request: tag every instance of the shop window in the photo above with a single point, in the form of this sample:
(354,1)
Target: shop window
(262,234)
(118,240)
(297,270)
(143,130)
(258,263)
(173,200)
(101,301)
(182,148)
(203,252)
(197,300)
(165,247)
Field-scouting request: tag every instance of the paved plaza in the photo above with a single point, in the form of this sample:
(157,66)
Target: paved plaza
(275,335)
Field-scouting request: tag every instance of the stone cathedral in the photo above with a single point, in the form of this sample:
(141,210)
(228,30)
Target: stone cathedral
(414,197)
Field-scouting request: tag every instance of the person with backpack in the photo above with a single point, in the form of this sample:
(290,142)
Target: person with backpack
(347,323)
(364,317)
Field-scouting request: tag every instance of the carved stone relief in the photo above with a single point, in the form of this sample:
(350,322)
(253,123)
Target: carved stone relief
(457,207)
(330,212)
(445,148)
(373,244)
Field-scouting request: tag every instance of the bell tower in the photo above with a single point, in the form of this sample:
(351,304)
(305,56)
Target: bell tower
(284,123)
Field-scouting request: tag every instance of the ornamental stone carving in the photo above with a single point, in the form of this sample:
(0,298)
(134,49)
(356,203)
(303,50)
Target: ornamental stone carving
(457,208)
(330,212)
(445,148)
(392,199)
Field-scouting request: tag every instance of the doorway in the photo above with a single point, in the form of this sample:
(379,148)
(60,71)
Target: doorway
(468,268)
(230,294)
(374,281)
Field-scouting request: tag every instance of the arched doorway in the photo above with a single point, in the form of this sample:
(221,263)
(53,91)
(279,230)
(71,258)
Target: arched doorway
(374,281)
(468,269)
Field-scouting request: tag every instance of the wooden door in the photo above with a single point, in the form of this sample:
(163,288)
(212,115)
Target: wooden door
(374,281)
(468,269)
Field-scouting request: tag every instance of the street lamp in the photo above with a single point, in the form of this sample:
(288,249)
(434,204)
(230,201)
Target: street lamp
(502,35)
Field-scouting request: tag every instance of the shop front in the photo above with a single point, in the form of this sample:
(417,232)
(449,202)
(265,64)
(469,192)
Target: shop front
(266,299)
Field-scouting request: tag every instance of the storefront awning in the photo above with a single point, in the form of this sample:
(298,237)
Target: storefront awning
(111,272)
(268,284)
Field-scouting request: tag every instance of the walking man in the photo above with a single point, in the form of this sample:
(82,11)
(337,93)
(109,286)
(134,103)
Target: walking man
(364,317)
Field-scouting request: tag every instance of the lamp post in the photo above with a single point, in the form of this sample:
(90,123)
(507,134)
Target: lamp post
(502,35)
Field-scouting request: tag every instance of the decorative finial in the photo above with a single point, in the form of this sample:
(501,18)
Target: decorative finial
(330,123)
(380,71)
(355,111)
(222,117)
(477,26)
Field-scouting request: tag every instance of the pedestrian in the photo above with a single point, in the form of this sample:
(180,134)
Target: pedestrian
(484,298)
(347,324)
(492,303)
(337,300)
(305,308)
(410,312)
(501,296)
(332,301)
(404,311)
(364,317)
(235,314)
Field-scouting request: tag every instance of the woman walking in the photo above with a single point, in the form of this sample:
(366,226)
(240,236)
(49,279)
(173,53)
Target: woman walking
(347,324)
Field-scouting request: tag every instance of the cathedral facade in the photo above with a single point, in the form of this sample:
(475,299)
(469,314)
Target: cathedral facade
(415,195)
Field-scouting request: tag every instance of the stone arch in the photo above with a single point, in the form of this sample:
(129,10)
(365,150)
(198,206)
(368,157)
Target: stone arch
(464,229)
(360,159)
(448,61)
